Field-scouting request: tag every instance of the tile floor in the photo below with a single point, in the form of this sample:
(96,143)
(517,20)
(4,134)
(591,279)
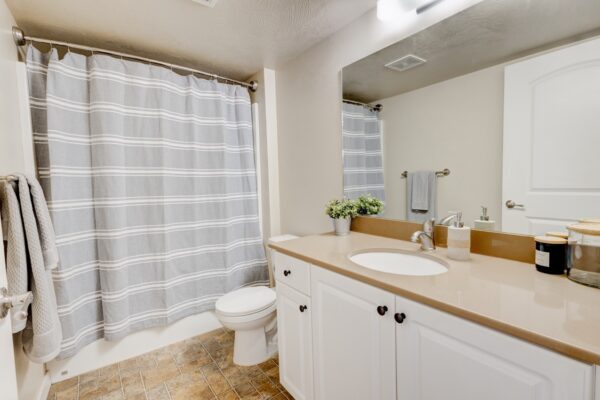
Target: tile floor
(198,368)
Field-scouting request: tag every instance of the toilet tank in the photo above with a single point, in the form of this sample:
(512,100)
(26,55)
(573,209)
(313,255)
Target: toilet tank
(275,239)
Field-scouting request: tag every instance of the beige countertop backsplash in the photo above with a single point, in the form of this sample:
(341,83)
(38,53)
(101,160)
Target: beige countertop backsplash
(506,295)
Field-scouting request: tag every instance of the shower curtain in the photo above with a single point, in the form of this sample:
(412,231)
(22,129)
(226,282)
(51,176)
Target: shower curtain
(363,161)
(151,185)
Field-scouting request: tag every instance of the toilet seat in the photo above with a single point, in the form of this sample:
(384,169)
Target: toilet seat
(246,301)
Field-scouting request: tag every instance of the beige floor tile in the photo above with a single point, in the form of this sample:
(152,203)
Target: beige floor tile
(237,378)
(267,390)
(132,385)
(68,394)
(273,373)
(229,395)
(245,390)
(280,396)
(138,396)
(158,393)
(110,383)
(217,381)
(66,384)
(109,370)
(88,377)
(114,395)
(267,365)
(146,361)
(189,386)
(159,375)
(128,365)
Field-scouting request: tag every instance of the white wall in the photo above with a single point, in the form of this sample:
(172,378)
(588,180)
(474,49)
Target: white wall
(455,124)
(309,97)
(16,154)
(269,162)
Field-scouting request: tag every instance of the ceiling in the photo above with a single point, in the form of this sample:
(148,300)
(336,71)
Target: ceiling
(236,38)
(489,33)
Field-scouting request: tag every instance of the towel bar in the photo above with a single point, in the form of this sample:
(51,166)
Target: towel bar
(439,174)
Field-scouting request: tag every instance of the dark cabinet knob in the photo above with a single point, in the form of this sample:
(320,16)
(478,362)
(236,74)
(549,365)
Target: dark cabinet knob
(287,272)
(381,310)
(400,317)
(303,308)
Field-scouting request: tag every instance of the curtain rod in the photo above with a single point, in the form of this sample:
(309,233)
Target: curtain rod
(376,107)
(21,40)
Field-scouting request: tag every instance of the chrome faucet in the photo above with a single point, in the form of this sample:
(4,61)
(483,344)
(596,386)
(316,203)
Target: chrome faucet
(447,221)
(426,236)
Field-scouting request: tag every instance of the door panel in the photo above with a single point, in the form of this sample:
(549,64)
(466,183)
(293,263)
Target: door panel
(443,357)
(8,376)
(551,139)
(294,335)
(353,343)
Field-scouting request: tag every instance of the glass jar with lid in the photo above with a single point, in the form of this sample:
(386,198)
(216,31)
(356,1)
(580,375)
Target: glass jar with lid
(583,262)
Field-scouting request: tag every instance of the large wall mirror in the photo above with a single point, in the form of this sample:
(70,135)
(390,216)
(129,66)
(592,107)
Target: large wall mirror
(493,112)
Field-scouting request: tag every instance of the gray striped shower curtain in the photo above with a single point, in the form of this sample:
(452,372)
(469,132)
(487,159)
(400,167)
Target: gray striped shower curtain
(362,152)
(151,185)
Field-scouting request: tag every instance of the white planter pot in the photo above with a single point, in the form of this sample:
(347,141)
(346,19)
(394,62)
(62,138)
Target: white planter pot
(341,226)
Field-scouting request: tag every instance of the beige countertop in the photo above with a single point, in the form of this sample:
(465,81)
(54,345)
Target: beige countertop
(509,296)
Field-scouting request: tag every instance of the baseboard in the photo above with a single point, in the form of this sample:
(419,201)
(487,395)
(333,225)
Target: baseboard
(102,353)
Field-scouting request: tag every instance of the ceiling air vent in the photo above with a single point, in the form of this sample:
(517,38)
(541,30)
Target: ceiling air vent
(407,62)
(207,3)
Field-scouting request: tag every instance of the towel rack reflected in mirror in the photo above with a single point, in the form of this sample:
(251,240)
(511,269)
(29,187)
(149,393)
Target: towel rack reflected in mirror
(439,174)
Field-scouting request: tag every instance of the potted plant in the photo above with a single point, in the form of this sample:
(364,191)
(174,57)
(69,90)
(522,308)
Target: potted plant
(341,213)
(368,205)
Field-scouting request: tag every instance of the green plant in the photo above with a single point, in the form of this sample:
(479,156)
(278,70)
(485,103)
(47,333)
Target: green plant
(341,208)
(369,205)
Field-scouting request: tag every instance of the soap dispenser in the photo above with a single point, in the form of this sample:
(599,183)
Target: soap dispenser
(484,223)
(459,240)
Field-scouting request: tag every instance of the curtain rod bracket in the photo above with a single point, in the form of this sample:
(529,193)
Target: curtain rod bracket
(18,36)
(253,86)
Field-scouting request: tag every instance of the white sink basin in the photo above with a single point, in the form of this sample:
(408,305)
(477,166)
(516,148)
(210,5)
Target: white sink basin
(399,262)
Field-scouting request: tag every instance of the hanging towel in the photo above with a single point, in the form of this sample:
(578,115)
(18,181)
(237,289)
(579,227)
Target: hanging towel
(42,335)
(421,190)
(16,254)
(44,224)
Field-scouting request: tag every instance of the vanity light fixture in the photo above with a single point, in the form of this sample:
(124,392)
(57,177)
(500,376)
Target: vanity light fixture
(388,10)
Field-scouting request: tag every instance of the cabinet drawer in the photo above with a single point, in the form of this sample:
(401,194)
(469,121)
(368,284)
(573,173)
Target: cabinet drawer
(292,272)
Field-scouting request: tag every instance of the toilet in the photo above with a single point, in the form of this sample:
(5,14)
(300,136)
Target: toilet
(251,313)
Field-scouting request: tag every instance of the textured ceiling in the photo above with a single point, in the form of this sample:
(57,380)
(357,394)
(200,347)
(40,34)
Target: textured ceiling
(235,38)
(489,33)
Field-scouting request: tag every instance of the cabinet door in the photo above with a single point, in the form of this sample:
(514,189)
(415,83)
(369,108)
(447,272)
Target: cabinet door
(354,346)
(442,357)
(294,337)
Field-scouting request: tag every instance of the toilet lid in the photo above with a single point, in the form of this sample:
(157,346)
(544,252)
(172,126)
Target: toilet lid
(246,301)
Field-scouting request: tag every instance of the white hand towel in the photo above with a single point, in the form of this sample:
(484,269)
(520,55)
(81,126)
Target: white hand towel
(16,254)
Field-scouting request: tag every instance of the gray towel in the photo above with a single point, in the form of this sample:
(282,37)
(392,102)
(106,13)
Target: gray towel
(16,255)
(421,190)
(42,335)
(44,224)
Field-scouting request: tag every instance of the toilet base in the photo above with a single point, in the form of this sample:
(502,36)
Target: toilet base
(252,347)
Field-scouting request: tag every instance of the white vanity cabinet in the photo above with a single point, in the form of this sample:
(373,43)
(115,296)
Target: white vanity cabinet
(440,356)
(294,326)
(356,341)
(353,338)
